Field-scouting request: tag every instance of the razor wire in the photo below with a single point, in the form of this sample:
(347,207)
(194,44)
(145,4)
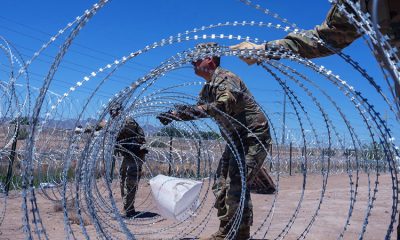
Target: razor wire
(71,168)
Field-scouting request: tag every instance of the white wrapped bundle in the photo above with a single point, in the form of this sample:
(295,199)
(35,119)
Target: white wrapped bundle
(176,198)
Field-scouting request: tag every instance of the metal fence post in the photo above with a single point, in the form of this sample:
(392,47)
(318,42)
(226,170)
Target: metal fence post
(290,159)
(170,156)
(198,159)
(12,158)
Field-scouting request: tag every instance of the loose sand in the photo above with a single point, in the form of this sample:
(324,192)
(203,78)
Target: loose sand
(328,224)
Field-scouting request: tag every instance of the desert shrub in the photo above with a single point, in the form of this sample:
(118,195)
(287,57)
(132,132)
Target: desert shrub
(158,144)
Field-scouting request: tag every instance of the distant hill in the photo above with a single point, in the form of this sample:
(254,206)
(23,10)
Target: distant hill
(150,129)
(69,124)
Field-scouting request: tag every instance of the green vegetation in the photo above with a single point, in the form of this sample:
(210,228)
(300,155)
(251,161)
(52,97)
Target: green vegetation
(158,144)
(42,176)
(21,120)
(373,151)
(23,127)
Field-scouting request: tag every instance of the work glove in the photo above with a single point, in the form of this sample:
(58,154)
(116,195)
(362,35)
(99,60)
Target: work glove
(188,112)
(183,109)
(165,118)
(253,46)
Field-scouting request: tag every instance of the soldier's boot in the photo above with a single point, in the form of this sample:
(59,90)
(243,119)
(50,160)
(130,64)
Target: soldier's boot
(243,233)
(220,234)
(129,213)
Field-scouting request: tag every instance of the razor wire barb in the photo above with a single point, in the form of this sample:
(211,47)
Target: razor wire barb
(72,169)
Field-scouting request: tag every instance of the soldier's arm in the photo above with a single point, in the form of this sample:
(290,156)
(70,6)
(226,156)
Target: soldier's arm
(91,129)
(140,135)
(225,101)
(336,31)
(189,112)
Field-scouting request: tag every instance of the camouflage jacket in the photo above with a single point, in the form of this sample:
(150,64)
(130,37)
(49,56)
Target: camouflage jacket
(227,99)
(337,32)
(130,137)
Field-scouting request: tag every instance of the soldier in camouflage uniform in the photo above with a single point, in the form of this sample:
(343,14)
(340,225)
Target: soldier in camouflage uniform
(245,128)
(337,32)
(130,141)
(129,146)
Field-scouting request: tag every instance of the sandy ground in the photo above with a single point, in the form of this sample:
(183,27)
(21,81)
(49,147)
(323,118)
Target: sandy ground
(328,224)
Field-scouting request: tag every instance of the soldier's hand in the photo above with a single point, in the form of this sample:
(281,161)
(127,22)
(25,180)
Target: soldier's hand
(165,118)
(189,111)
(181,108)
(274,50)
(88,129)
(101,125)
(248,46)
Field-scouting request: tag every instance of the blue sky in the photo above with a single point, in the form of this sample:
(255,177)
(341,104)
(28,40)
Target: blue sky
(125,26)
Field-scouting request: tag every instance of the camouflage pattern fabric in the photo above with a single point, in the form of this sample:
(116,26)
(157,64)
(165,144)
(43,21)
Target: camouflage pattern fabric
(130,140)
(256,152)
(130,173)
(245,128)
(338,33)
(228,189)
(227,99)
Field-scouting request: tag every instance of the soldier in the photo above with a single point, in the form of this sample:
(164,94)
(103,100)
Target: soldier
(337,32)
(129,146)
(130,141)
(243,125)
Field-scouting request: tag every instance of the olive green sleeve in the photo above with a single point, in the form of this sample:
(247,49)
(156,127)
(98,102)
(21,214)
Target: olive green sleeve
(336,31)
(225,102)
(188,112)
(140,135)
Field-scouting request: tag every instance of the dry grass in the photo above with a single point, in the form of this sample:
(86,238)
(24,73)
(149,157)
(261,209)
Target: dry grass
(58,207)
(72,216)
(74,219)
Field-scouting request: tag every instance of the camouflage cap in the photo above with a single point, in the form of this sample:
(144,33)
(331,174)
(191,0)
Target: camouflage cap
(203,48)
(206,46)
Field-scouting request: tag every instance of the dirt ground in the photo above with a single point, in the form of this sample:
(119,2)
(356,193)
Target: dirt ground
(280,214)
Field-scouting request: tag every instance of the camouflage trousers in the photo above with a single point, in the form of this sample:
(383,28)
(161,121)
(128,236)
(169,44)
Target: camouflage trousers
(228,184)
(130,173)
